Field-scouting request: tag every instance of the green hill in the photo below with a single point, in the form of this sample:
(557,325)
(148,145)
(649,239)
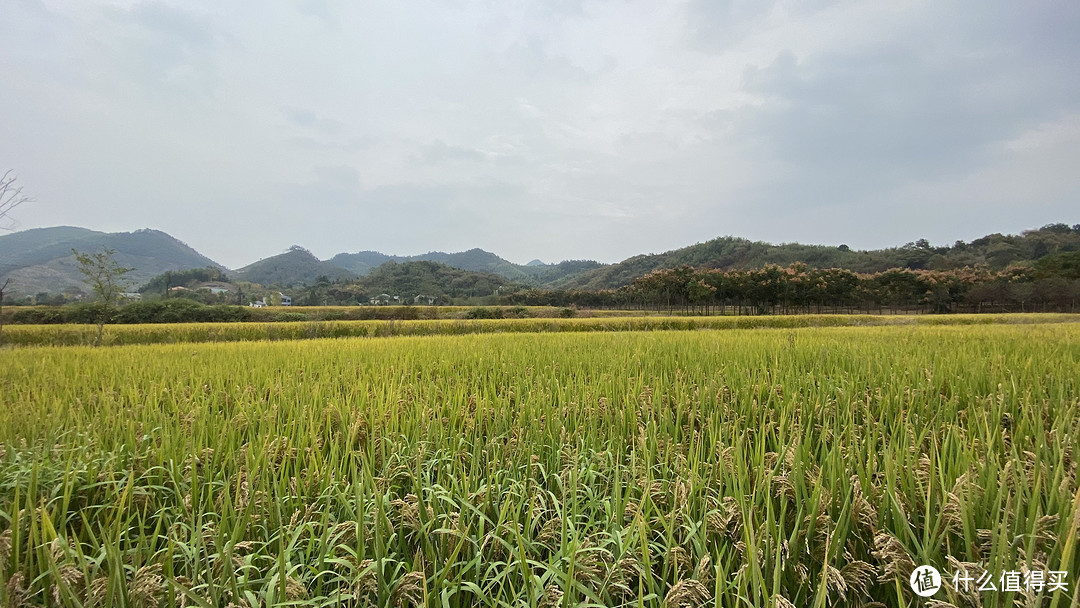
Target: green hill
(409,279)
(478,260)
(995,251)
(40,260)
(297,266)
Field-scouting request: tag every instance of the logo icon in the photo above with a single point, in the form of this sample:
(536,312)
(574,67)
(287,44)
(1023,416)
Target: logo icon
(925,581)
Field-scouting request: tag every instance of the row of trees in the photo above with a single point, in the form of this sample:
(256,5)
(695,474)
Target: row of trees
(800,289)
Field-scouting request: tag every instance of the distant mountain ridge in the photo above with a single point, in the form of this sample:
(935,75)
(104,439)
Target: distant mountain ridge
(297,266)
(364,262)
(40,260)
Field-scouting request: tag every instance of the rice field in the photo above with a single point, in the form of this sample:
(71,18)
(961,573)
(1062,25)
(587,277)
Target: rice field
(167,333)
(801,466)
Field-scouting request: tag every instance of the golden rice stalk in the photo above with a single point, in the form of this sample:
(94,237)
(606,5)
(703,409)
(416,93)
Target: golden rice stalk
(550,533)
(863,512)
(366,584)
(1037,560)
(704,570)
(783,487)
(898,564)
(687,593)
(824,527)
(552,597)
(679,560)
(952,513)
(5,546)
(923,472)
(731,518)
(72,579)
(17,594)
(409,591)
(682,492)
(625,576)
(985,543)
(97,592)
(859,576)
(147,586)
(834,580)
(590,565)
(971,595)
(1045,533)
(727,456)
(409,512)
(295,590)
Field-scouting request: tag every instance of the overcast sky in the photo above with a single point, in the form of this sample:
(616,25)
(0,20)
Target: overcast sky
(556,129)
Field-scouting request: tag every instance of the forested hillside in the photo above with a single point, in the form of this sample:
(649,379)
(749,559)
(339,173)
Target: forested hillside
(41,260)
(995,251)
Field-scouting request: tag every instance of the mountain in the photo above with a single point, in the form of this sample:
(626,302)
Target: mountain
(363,262)
(297,266)
(40,259)
(557,275)
(478,260)
(995,251)
(432,279)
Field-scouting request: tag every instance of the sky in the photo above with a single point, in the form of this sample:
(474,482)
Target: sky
(557,129)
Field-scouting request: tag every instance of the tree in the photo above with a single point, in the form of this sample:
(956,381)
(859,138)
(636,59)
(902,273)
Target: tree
(106,278)
(11,196)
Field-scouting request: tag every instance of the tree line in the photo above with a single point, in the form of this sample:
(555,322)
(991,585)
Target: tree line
(797,288)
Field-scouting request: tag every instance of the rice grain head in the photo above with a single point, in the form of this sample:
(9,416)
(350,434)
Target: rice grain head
(898,564)
(295,590)
(147,587)
(704,570)
(409,591)
(859,576)
(552,597)
(687,593)
(17,594)
(72,579)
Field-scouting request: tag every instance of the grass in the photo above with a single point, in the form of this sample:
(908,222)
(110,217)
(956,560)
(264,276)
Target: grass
(803,466)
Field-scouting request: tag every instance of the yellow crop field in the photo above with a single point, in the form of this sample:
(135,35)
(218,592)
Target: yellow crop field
(169,333)
(798,466)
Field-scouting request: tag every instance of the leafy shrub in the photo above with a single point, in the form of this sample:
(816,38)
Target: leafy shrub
(38,316)
(484,313)
(517,312)
(290,317)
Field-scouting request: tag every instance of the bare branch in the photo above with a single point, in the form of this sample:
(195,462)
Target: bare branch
(11,196)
